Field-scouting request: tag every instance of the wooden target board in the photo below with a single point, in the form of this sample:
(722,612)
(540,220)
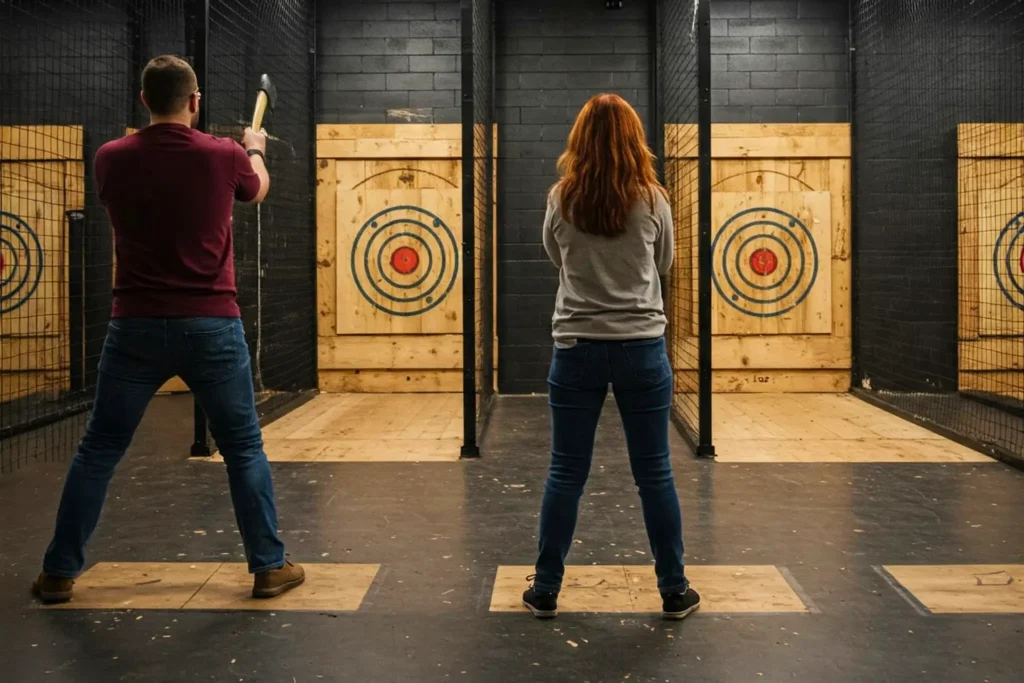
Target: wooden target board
(389,257)
(991,258)
(41,178)
(769,263)
(780,230)
(399,257)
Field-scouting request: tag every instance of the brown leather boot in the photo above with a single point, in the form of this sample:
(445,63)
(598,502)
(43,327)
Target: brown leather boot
(270,584)
(53,589)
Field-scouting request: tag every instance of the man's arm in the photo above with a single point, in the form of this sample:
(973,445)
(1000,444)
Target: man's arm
(257,141)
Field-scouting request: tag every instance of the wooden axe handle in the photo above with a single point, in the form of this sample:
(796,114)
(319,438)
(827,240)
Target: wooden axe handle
(261,109)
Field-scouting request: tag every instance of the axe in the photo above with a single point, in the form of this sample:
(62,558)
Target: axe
(265,99)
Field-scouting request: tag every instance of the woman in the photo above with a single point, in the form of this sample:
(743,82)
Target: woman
(608,228)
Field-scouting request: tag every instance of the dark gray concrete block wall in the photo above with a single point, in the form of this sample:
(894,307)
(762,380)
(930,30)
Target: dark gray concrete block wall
(398,61)
(779,61)
(552,57)
(382,62)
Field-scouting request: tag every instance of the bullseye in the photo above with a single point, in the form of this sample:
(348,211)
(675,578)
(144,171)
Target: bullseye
(405,260)
(764,261)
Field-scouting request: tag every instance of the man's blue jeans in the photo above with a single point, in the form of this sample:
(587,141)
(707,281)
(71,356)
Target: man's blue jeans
(641,379)
(139,355)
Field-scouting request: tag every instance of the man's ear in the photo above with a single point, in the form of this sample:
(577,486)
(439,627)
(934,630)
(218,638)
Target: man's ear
(193,104)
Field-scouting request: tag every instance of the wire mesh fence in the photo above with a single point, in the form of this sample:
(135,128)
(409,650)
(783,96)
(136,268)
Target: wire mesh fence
(274,244)
(938,154)
(66,77)
(70,77)
(679,26)
(484,171)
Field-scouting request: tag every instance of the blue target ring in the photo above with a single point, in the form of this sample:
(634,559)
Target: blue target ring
(1007,261)
(777,227)
(22,256)
(416,225)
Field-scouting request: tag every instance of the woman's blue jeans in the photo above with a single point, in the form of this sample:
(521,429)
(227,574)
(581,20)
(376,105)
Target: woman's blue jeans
(641,379)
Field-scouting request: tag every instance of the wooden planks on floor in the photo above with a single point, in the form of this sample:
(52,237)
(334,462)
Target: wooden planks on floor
(329,587)
(634,589)
(602,589)
(778,428)
(368,428)
(964,588)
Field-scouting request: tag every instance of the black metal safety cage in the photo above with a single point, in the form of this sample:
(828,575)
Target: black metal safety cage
(274,241)
(478,233)
(682,138)
(938,215)
(70,77)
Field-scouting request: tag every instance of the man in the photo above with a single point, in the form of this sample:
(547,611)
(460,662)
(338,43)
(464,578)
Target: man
(169,191)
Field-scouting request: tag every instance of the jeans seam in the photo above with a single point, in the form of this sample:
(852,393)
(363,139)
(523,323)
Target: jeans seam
(678,588)
(61,575)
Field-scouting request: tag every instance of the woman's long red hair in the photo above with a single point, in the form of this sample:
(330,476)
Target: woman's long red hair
(606,167)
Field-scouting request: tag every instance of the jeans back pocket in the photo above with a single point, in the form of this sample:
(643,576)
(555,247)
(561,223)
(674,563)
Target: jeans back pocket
(647,359)
(569,365)
(214,349)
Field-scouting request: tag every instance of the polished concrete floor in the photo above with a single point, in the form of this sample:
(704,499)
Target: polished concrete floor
(431,538)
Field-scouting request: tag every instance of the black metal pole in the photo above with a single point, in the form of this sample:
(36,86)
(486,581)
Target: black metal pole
(855,367)
(470,449)
(489,250)
(705,444)
(314,380)
(201,27)
(657,116)
(76,299)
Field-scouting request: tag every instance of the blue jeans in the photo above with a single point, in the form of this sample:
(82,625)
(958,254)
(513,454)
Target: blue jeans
(138,356)
(641,379)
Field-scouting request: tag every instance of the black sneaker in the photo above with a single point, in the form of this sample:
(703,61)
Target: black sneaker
(680,605)
(543,605)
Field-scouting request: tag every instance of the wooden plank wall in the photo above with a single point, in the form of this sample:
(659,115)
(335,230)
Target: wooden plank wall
(41,177)
(788,162)
(382,354)
(991,306)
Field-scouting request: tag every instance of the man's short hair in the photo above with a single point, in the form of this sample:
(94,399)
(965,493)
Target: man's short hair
(167,83)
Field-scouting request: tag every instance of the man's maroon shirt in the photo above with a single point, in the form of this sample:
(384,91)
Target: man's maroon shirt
(169,191)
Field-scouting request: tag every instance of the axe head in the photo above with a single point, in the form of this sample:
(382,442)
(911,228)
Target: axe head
(267,86)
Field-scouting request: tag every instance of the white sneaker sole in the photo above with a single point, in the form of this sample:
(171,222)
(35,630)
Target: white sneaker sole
(678,616)
(540,613)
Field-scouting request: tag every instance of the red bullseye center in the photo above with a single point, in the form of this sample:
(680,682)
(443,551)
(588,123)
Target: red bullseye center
(405,260)
(764,261)
(1021,261)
